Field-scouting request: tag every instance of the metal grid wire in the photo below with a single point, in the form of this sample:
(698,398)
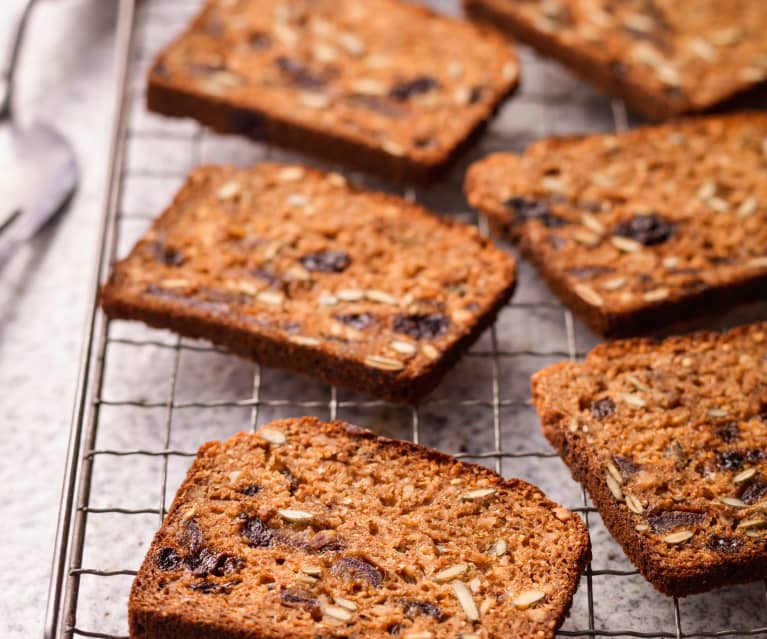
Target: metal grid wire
(109,535)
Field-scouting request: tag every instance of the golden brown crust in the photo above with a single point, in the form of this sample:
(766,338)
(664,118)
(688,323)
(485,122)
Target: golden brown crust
(664,58)
(679,444)
(298,270)
(358,489)
(640,230)
(326,79)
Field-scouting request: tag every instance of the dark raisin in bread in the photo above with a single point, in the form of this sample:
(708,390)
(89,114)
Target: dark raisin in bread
(639,230)
(299,270)
(670,439)
(381,85)
(312,530)
(664,57)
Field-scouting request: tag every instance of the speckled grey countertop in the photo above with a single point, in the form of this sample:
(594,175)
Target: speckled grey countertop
(68,79)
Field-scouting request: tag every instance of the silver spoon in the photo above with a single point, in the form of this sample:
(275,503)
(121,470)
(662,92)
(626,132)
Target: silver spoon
(38,172)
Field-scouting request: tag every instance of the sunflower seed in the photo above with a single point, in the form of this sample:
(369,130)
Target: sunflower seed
(744,475)
(417,634)
(368,86)
(175,282)
(291,174)
(327,300)
(586,238)
(634,505)
(752,74)
(588,294)
(455,70)
(632,399)
(463,594)
(295,515)
(752,523)
(670,262)
(616,474)
(716,412)
(498,548)
(312,570)
(615,283)
(642,527)
(345,603)
(271,298)
(678,537)
(315,101)
(704,49)
(228,190)
(718,204)
(384,363)
(381,297)
(749,206)
(478,494)
(615,487)
(272,435)
(554,184)
(323,52)
(353,45)
(393,148)
(757,262)
(602,179)
(448,574)
(462,96)
(734,502)
(307,579)
(526,599)
(406,348)
(656,295)
(726,37)
(635,382)
(303,340)
(430,352)
(350,295)
(707,190)
(337,612)
(592,223)
(625,244)
(466,635)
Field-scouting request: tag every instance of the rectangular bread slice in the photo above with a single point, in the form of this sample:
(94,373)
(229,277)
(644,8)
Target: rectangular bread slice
(382,86)
(663,57)
(310,530)
(299,270)
(670,440)
(639,230)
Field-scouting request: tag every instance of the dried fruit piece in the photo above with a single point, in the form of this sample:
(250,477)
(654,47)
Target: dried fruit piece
(299,74)
(405,90)
(257,533)
(326,261)
(754,491)
(296,598)
(726,545)
(648,229)
(602,408)
(358,321)
(730,459)
(420,326)
(168,559)
(358,570)
(669,519)
(416,607)
(525,210)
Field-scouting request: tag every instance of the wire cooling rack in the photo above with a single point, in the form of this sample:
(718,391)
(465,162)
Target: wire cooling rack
(147,399)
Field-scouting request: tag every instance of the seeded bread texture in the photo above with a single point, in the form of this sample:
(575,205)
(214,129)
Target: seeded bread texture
(382,86)
(299,270)
(663,57)
(316,530)
(670,439)
(643,229)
